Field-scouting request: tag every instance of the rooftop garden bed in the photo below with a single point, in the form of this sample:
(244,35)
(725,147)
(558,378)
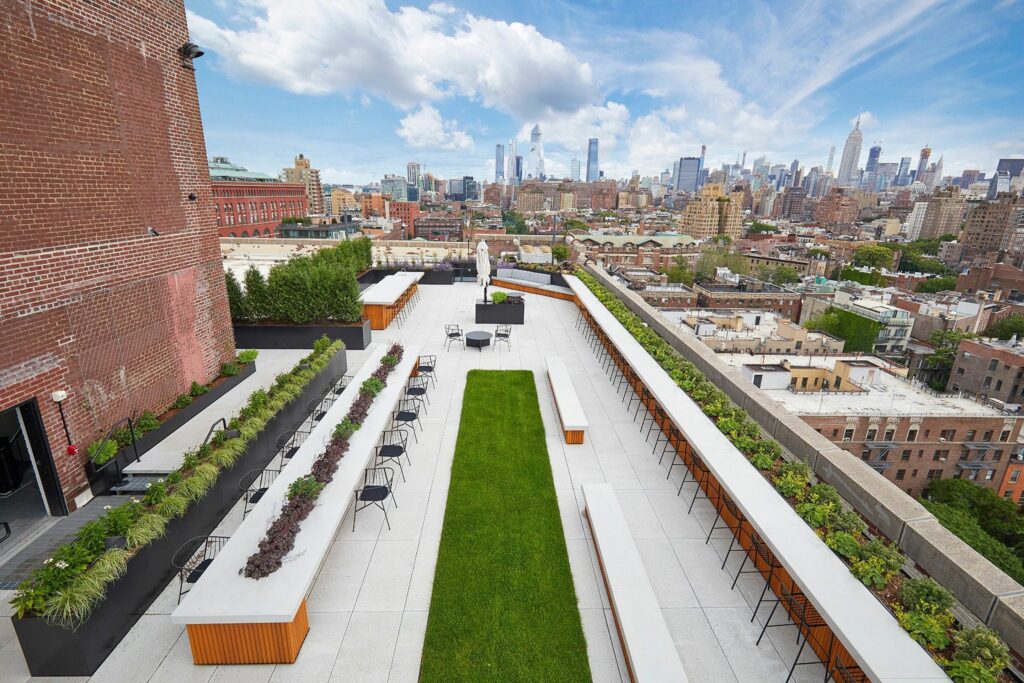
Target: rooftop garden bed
(74,609)
(922,607)
(503,602)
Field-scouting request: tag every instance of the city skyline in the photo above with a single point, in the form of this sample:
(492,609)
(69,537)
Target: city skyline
(473,77)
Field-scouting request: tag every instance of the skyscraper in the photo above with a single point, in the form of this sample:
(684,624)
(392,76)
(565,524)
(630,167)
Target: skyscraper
(499,162)
(831,158)
(593,166)
(574,169)
(303,172)
(794,169)
(688,174)
(922,164)
(1015,167)
(903,176)
(510,172)
(851,156)
(412,173)
(871,168)
(535,161)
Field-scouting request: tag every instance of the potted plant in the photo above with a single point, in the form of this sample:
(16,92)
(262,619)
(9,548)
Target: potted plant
(504,309)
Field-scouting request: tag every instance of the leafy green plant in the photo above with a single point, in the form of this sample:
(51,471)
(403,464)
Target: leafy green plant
(247,356)
(982,645)
(146,529)
(305,487)
(925,595)
(966,671)
(123,436)
(197,389)
(816,514)
(147,422)
(183,401)
(762,461)
(847,521)
(878,562)
(928,629)
(791,484)
(499,297)
(371,387)
(228,369)
(844,544)
(345,429)
(100,456)
(389,360)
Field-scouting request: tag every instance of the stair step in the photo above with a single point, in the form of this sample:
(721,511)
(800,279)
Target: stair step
(133,485)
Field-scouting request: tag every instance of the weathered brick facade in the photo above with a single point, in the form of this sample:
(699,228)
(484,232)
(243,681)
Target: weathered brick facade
(100,139)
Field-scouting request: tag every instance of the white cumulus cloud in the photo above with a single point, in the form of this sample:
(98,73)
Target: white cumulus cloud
(426,128)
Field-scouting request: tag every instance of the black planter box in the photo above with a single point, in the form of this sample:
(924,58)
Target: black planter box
(249,336)
(101,479)
(500,314)
(53,651)
(430,277)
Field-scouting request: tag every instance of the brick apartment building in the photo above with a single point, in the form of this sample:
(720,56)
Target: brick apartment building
(989,369)
(113,289)
(749,294)
(654,252)
(1001,277)
(440,228)
(251,204)
(406,213)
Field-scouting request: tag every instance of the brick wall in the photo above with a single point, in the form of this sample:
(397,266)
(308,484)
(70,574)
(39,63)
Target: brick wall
(100,139)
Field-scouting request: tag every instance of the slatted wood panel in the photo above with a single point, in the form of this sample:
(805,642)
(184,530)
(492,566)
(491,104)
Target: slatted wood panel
(574,436)
(275,643)
(381,315)
(565,296)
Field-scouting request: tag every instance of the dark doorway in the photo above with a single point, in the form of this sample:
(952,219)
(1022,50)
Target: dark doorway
(29,488)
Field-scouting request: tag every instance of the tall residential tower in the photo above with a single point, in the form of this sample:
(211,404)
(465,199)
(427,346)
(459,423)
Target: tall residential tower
(593,166)
(851,156)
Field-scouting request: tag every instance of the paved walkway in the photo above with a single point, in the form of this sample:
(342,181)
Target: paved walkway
(368,607)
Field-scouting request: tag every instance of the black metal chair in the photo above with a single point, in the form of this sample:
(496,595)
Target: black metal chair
(339,383)
(846,673)
(806,618)
(408,413)
(318,407)
(452,334)
(394,443)
(288,443)
(503,335)
(193,558)
(378,486)
(417,387)
(253,484)
(427,368)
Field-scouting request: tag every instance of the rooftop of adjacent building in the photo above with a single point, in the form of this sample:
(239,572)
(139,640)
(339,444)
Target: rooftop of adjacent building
(889,395)
(222,169)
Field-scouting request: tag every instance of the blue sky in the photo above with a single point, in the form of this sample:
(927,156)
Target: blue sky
(362,86)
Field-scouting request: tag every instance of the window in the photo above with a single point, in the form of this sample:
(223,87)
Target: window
(912,434)
(889,434)
(999,385)
(947,434)
(848,435)
(1014,476)
(935,474)
(871,434)
(913,474)
(993,364)
(865,454)
(959,371)
(1007,493)
(905,455)
(1005,435)
(1021,498)
(835,432)
(987,436)
(987,383)
(970,435)
(989,474)
(997,456)
(900,474)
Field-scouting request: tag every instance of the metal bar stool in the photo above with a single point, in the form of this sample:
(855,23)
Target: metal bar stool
(805,617)
(674,437)
(658,419)
(846,673)
(730,505)
(759,549)
(699,477)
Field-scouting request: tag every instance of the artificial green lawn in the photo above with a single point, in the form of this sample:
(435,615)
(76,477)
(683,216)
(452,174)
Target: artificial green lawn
(503,606)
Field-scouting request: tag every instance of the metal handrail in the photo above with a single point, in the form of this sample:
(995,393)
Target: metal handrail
(110,432)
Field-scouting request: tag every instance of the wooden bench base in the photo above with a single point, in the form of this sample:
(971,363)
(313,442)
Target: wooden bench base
(574,436)
(565,296)
(271,643)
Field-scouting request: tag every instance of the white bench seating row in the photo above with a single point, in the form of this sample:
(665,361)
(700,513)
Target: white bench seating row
(646,642)
(531,280)
(567,403)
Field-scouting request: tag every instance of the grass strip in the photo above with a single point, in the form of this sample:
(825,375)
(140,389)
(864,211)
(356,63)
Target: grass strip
(503,605)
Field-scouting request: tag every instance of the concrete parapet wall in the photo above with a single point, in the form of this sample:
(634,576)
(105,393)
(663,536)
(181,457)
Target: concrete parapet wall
(984,589)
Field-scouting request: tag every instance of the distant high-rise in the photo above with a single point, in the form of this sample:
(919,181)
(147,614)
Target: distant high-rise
(1015,167)
(574,169)
(303,172)
(535,161)
(903,175)
(794,167)
(703,171)
(922,164)
(412,173)
(499,162)
(851,156)
(518,175)
(970,176)
(688,174)
(510,170)
(831,158)
(1000,182)
(593,166)
(871,167)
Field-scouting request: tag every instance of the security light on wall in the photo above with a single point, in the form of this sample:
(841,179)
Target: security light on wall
(153,232)
(188,52)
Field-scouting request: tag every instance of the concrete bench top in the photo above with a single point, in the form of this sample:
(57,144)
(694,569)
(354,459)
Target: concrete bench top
(569,407)
(864,626)
(535,285)
(646,639)
(223,595)
(389,289)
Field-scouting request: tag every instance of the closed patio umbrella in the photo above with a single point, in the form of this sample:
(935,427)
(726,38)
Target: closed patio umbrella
(483,266)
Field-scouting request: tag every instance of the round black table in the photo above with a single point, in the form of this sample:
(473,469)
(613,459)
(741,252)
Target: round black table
(478,339)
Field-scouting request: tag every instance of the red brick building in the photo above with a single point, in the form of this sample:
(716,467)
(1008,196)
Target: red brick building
(406,213)
(255,209)
(113,289)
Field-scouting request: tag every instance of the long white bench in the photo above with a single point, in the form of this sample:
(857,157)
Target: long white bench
(530,281)
(567,403)
(646,642)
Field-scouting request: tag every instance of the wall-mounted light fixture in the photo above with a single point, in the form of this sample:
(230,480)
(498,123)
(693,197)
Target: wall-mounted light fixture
(153,231)
(59,397)
(188,52)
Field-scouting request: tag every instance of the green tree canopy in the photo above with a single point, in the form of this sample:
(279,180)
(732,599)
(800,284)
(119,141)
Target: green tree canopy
(758,226)
(719,257)
(1006,328)
(680,272)
(783,275)
(858,333)
(873,256)
(817,253)
(560,252)
(946,343)
(937,284)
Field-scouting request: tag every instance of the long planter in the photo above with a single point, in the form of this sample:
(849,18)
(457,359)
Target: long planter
(253,336)
(500,314)
(53,651)
(430,277)
(102,478)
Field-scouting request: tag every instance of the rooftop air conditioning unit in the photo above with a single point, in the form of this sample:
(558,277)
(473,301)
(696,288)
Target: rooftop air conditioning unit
(942,439)
(942,460)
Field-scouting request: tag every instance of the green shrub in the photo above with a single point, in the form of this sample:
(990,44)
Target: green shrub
(791,484)
(925,595)
(371,387)
(816,514)
(981,645)
(247,356)
(847,521)
(560,252)
(345,429)
(305,487)
(306,290)
(123,436)
(257,297)
(183,401)
(389,360)
(236,298)
(878,562)
(844,544)
(963,671)
(928,629)
(147,422)
(499,297)
(101,456)
(968,530)
(197,389)
(228,370)
(762,461)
